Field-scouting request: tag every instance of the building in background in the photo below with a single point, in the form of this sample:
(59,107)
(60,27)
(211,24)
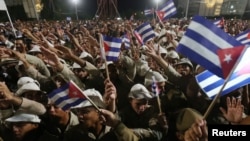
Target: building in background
(215,8)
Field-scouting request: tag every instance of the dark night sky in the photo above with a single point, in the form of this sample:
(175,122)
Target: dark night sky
(124,6)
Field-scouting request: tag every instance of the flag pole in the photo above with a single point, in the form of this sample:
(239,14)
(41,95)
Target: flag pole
(103,56)
(160,20)
(11,22)
(86,96)
(212,104)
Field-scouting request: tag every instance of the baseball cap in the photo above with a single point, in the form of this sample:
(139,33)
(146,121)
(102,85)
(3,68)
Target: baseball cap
(25,84)
(185,61)
(35,48)
(186,117)
(23,117)
(138,91)
(94,96)
(149,78)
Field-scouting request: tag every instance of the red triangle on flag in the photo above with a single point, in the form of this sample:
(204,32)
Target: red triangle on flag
(74,91)
(160,14)
(248,36)
(138,37)
(228,58)
(106,46)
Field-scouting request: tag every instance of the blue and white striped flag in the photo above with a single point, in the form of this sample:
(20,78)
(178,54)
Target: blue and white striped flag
(112,48)
(201,43)
(211,84)
(67,96)
(154,87)
(244,37)
(148,12)
(169,9)
(145,31)
(219,23)
(126,41)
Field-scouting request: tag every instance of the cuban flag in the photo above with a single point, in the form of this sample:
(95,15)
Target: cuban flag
(244,37)
(112,48)
(67,96)
(211,84)
(219,23)
(145,32)
(148,12)
(169,10)
(154,87)
(201,43)
(126,41)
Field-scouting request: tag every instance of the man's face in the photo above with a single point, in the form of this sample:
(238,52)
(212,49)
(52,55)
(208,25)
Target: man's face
(20,46)
(139,105)
(56,114)
(20,129)
(183,69)
(88,116)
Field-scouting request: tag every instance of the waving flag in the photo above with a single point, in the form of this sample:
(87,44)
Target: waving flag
(211,84)
(67,96)
(126,41)
(145,31)
(201,43)
(3,5)
(154,87)
(148,12)
(244,37)
(169,9)
(160,15)
(112,47)
(219,23)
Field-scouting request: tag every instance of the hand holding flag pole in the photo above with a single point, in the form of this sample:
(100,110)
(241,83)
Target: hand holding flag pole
(224,84)
(155,90)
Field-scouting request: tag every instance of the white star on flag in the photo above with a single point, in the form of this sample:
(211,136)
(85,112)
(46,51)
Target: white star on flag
(227,58)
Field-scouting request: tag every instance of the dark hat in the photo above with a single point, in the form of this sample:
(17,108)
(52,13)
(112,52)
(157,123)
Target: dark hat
(184,61)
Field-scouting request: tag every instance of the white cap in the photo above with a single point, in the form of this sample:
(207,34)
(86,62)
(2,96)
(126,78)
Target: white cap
(173,54)
(85,54)
(76,66)
(149,78)
(108,63)
(35,48)
(138,91)
(25,84)
(142,67)
(95,96)
(24,117)
(24,80)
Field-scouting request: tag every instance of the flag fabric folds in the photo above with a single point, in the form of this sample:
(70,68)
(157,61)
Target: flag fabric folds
(126,41)
(244,37)
(201,43)
(148,12)
(3,5)
(169,9)
(67,96)
(211,84)
(219,23)
(145,31)
(112,47)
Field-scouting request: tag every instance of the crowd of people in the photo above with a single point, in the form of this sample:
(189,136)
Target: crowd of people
(38,57)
